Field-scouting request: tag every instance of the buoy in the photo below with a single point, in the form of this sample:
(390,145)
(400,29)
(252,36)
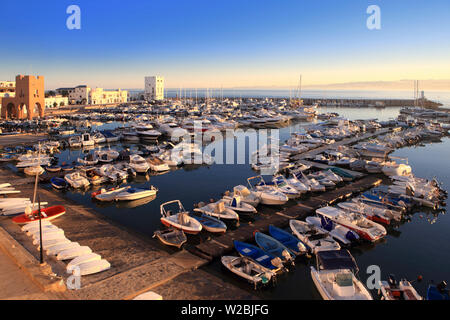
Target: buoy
(419,278)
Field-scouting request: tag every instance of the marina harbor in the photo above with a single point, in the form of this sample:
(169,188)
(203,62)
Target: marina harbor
(316,184)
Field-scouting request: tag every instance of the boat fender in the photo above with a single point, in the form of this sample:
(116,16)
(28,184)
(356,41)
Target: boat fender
(286,254)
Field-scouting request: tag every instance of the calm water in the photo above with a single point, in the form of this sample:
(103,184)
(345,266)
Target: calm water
(420,246)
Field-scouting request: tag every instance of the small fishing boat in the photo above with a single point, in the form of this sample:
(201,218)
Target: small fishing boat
(75,142)
(32,171)
(265,259)
(398,290)
(58,183)
(334,277)
(238,206)
(340,233)
(218,210)
(247,196)
(268,194)
(438,292)
(292,243)
(135,193)
(315,239)
(47,214)
(66,167)
(88,160)
(171,237)
(112,173)
(180,220)
(76,180)
(107,156)
(211,224)
(98,138)
(110,137)
(273,246)
(366,228)
(54,168)
(249,270)
(86,140)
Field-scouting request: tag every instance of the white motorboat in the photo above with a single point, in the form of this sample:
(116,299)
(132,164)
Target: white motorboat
(108,195)
(314,238)
(284,187)
(86,140)
(139,164)
(75,142)
(396,169)
(76,180)
(88,160)
(149,135)
(157,165)
(180,220)
(135,194)
(113,174)
(373,213)
(398,290)
(107,156)
(238,206)
(218,210)
(365,228)
(334,277)
(247,196)
(98,138)
(268,194)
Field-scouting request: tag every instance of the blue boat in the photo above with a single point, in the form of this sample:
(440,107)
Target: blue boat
(58,183)
(265,259)
(439,292)
(273,246)
(288,240)
(211,224)
(54,168)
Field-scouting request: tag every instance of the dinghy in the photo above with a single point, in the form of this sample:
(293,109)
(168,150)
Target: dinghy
(334,277)
(171,237)
(47,244)
(211,224)
(32,171)
(54,250)
(34,224)
(181,220)
(398,290)
(47,214)
(92,267)
(340,233)
(58,183)
(249,270)
(54,168)
(265,259)
(135,194)
(273,246)
(73,252)
(82,259)
(288,240)
(315,239)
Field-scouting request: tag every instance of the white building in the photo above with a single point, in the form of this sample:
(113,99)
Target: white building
(154,88)
(56,101)
(79,95)
(100,96)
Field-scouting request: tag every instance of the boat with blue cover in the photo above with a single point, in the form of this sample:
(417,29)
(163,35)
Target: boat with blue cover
(438,292)
(211,224)
(258,255)
(273,246)
(58,183)
(292,243)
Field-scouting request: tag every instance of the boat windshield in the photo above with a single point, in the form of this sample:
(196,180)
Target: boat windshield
(344,279)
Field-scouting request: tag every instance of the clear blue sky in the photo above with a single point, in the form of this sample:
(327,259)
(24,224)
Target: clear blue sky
(196,43)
